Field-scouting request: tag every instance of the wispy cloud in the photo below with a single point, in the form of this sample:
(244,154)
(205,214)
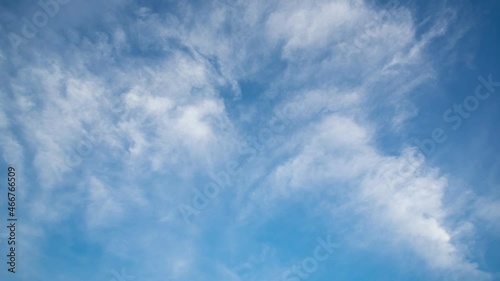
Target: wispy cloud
(118,115)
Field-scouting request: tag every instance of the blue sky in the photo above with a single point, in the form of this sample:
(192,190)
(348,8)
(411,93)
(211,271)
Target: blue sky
(251,140)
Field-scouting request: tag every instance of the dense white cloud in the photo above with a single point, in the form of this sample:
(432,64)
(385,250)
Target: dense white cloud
(400,198)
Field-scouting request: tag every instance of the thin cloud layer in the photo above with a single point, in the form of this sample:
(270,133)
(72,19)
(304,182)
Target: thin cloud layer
(274,124)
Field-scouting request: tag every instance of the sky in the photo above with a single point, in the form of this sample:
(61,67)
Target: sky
(250,140)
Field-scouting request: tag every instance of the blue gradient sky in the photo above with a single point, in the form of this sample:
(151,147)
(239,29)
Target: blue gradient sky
(228,140)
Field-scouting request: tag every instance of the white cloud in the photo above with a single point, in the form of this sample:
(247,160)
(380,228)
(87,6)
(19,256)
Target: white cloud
(337,156)
(339,55)
(313,25)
